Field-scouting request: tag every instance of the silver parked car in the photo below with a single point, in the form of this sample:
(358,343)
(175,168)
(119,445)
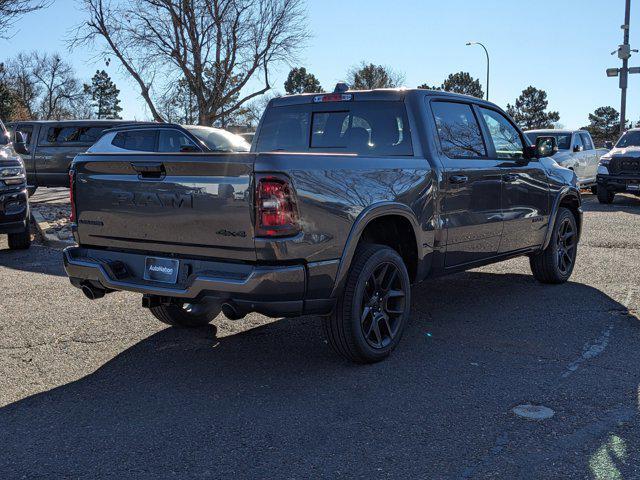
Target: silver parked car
(168,138)
(576,152)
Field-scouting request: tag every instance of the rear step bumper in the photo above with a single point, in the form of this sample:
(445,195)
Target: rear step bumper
(274,291)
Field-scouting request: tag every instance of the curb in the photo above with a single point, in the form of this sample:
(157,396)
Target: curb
(50,239)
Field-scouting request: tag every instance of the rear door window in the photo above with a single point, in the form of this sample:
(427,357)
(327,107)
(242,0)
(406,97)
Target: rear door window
(365,128)
(458,130)
(74,134)
(136,140)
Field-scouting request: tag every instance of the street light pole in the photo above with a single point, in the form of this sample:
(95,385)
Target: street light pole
(488,63)
(624,73)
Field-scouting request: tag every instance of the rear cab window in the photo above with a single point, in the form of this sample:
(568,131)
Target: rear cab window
(364,128)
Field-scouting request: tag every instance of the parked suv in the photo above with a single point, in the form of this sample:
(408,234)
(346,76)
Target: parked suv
(345,200)
(619,170)
(51,146)
(14,203)
(168,138)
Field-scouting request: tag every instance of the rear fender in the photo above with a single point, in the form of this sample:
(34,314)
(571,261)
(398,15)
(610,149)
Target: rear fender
(367,216)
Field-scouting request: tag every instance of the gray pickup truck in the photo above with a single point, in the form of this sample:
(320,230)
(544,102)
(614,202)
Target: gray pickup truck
(346,199)
(51,146)
(576,151)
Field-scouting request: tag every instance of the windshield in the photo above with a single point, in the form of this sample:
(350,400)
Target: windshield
(629,139)
(366,128)
(219,140)
(563,139)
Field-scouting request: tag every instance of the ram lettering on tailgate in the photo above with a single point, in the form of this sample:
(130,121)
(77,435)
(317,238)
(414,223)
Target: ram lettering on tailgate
(146,199)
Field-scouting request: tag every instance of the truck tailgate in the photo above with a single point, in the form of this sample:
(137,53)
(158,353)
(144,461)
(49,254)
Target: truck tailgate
(184,204)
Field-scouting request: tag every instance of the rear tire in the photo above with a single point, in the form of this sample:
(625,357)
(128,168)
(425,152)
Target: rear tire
(555,263)
(605,196)
(20,240)
(189,315)
(373,309)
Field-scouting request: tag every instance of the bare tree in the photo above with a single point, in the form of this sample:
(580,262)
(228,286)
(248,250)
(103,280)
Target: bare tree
(216,46)
(11,10)
(26,89)
(61,90)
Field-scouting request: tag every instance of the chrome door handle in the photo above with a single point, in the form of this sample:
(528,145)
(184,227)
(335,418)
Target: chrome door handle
(510,177)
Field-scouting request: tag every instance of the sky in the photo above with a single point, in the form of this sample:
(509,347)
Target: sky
(560,46)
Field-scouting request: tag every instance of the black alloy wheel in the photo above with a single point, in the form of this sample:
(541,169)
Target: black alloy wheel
(382,306)
(566,239)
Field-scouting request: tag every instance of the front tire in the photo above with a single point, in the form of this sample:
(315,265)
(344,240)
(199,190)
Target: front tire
(20,240)
(605,196)
(594,190)
(555,263)
(374,307)
(188,315)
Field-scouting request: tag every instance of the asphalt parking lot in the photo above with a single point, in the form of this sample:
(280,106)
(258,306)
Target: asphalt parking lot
(100,389)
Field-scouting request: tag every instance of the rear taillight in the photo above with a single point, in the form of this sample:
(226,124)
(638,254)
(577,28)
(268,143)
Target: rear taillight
(276,210)
(72,187)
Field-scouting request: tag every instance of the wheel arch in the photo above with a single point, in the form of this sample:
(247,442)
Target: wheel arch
(568,197)
(372,219)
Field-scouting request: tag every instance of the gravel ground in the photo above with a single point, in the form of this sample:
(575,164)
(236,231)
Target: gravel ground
(102,390)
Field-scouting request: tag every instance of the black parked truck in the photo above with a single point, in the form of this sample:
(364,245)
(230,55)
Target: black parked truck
(619,170)
(51,145)
(14,201)
(346,200)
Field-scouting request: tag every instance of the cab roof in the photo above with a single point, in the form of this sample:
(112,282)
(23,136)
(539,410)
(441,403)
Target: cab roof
(379,94)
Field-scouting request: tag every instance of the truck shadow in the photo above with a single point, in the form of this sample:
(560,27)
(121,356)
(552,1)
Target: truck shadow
(274,401)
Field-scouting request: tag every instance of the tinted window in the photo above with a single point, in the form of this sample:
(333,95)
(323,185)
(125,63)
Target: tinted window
(172,140)
(364,128)
(458,130)
(629,139)
(136,140)
(586,141)
(74,134)
(505,137)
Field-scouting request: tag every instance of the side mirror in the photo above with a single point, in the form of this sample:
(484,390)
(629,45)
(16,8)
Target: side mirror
(19,145)
(578,148)
(546,147)
(4,138)
(608,144)
(189,148)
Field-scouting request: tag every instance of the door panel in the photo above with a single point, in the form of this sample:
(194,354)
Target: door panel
(525,205)
(525,189)
(471,208)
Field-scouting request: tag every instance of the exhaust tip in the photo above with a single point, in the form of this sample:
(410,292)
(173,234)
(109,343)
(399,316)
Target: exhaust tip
(91,292)
(231,311)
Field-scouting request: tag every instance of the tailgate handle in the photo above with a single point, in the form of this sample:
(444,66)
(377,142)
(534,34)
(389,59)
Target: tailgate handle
(151,170)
